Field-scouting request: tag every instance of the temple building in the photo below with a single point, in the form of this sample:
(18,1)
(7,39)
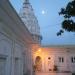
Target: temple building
(30,20)
(16,42)
(21,52)
(58,58)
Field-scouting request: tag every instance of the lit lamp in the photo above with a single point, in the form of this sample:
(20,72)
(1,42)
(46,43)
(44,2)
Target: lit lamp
(39,49)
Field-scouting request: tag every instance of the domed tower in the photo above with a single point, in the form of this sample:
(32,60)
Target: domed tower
(30,20)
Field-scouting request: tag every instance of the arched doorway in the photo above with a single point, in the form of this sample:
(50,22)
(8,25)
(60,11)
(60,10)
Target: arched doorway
(38,63)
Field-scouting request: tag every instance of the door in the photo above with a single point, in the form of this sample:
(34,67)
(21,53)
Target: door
(38,63)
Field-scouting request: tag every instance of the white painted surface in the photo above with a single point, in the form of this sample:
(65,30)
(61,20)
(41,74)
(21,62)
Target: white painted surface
(14,39)
(54,53)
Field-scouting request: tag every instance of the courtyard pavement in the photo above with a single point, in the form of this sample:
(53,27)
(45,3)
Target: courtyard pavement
(43,73)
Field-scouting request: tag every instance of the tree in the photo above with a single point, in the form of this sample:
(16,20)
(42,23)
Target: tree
(68,24)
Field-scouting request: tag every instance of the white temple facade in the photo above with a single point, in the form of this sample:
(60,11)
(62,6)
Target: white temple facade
(21,52)
(15,43)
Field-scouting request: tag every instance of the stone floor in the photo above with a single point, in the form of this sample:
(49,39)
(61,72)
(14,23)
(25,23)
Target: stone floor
(40,73)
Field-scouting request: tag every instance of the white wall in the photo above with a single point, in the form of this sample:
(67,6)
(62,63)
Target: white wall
(12,51)
(54,53)
(5,52)
(14,39)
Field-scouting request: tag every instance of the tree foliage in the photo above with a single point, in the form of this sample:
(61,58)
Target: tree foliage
(68,24)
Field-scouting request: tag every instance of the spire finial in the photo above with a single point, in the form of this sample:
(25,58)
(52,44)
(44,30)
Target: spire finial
(26,1)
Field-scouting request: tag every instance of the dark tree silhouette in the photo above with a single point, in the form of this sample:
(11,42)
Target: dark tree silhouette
(68,24)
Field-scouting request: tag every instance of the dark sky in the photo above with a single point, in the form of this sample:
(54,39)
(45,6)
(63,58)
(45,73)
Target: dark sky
(49,20)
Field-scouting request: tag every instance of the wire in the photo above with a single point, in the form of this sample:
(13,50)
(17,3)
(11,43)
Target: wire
(50,26)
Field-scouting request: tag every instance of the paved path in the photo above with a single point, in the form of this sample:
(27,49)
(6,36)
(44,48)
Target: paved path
(52,73)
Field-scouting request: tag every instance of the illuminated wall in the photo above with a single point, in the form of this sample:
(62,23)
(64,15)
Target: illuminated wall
(60,56)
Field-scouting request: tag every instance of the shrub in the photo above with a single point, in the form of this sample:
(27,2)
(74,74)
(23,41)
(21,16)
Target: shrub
(55,68)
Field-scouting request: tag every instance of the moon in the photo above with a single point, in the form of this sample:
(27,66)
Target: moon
(43,12)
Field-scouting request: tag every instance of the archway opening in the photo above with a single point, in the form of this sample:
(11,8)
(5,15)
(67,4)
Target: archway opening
(38,63)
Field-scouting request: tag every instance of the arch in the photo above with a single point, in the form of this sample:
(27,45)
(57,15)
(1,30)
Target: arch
(38,63)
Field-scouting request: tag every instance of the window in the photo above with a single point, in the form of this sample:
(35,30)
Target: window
(73,59)
(61,59)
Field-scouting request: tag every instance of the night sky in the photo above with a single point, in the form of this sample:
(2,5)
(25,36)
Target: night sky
(49,20)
